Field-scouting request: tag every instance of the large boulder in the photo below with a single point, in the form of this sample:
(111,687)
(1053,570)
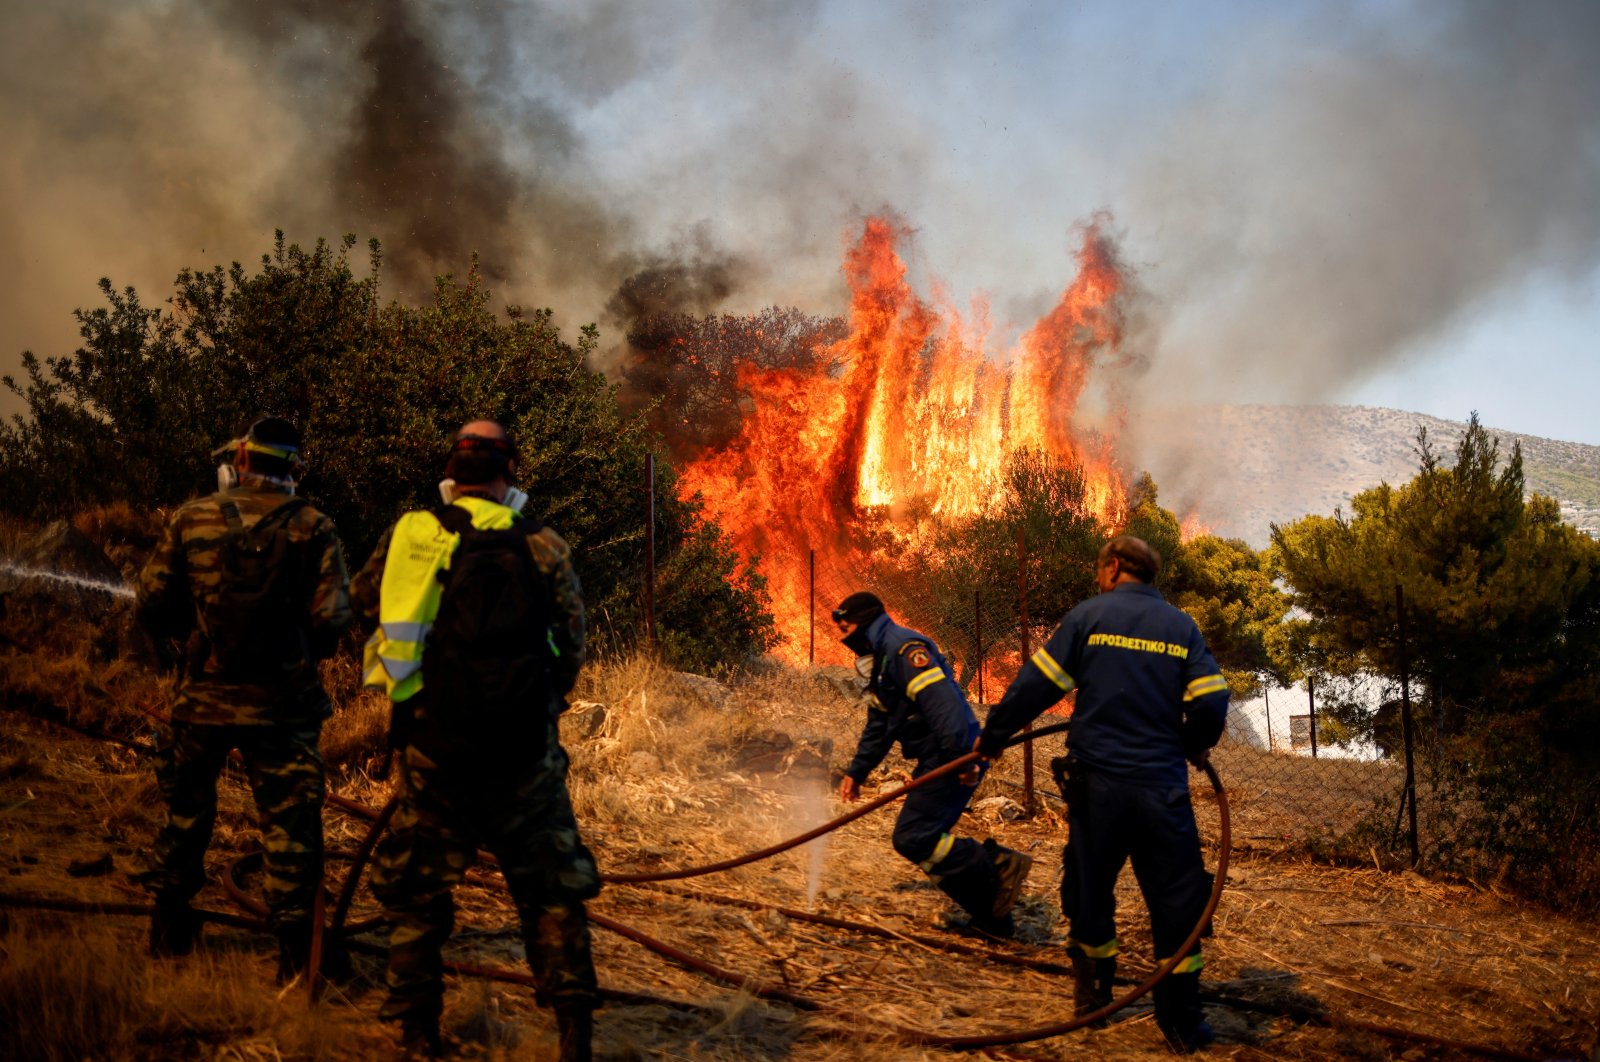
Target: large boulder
(707,691)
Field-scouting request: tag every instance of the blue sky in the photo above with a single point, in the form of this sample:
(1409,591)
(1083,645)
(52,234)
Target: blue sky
(1379,203)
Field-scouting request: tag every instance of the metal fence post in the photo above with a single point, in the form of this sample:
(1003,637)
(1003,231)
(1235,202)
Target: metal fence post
(650,548)
(977,637)
(811,591)
(1311,697)
(1266,695)
(1022,614)
(1405,720)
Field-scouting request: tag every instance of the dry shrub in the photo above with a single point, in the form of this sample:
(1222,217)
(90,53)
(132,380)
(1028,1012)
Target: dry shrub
(71,683)
(360,723)
(651,711)
(650,708)
(70,990)
(127,535)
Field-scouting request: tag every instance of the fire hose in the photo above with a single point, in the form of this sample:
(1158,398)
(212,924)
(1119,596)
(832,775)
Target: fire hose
(783,995)
(380,818)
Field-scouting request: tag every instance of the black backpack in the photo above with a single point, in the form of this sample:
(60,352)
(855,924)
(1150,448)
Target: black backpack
(486,665)
(255,623)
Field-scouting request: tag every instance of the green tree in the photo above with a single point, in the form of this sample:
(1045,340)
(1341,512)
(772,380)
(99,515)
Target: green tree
(376,389)
(1228,589)
(1159,527)
(1490,580)
(1503,649)
(1043,502)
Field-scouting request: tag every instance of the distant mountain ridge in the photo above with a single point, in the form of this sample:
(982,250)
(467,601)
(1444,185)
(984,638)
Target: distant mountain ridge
(1243,468)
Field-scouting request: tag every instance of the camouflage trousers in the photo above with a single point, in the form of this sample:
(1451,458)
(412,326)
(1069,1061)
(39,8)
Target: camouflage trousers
(284,767)
(524,817)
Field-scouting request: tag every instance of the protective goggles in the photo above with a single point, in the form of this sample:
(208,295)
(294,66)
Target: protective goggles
(279,450)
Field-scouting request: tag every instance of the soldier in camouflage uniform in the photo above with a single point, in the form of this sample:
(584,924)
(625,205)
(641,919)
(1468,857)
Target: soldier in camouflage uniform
(503,786)
(249,681)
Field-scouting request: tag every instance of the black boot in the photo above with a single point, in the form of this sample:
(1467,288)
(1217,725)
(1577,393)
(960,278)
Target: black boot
(1094,981)
(1010,872)
(174,928)
(974,890)
(575,1025)
(419,1037)
(1179,1014)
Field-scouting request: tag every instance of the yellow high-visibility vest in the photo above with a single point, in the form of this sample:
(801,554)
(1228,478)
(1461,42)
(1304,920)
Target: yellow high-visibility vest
(408,596)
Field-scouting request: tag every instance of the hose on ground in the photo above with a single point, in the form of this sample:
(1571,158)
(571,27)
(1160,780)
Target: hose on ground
(855,1022)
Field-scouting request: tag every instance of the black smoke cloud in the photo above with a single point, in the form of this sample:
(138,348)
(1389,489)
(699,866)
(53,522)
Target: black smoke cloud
(1342,184)
(143,137)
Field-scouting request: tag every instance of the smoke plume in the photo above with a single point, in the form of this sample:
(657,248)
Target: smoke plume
(1340,196)
(1309,198)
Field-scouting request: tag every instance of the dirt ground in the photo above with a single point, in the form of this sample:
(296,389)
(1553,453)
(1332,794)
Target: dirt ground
(673,771)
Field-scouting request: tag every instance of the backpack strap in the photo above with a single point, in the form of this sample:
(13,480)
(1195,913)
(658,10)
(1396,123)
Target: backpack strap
(455,519)
(275,516)
(458,521)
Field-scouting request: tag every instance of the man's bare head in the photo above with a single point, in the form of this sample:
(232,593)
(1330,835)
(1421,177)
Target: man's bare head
(482,455)
(488,429)
(1126,558)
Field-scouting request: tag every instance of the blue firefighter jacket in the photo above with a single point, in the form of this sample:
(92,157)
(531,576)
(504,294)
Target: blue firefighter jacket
(919,703)
(1149,693)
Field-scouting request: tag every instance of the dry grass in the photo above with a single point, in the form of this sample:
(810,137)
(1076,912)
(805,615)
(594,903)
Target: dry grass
(73,659)
(680,773)
(354,737)
(73,990)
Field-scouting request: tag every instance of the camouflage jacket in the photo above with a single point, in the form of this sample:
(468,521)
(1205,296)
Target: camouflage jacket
(551,557)
(184,575)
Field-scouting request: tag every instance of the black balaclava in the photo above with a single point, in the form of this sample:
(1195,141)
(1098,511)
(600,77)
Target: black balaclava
(860,608)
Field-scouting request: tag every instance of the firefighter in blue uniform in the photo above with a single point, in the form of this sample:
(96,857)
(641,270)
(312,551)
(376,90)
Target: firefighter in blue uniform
(912,698)
(1150,696)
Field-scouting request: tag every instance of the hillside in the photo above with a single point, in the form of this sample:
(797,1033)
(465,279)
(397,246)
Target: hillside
(1243,468)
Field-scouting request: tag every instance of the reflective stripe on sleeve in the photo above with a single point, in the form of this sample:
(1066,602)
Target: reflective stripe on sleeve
(923,681)
(1204,685)
(940,850)
(399,631)
(1193,964)
(1053,671)
(1102,951)
(399,670)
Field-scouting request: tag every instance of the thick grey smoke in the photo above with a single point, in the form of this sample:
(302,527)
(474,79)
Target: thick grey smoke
(1353,190)
(1313,199)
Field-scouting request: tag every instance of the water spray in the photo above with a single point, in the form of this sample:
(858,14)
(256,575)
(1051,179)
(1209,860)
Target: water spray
(80,582)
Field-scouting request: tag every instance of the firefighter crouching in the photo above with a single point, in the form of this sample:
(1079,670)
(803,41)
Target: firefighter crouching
(481,634)
(913,699)
(1150,696)
(252,580)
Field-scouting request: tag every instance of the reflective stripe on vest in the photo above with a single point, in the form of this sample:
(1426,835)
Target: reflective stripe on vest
(408,596)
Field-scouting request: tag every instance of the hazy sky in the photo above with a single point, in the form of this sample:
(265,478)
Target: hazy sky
(1382,203)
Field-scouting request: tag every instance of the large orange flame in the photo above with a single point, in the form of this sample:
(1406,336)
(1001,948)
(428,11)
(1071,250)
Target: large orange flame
(909,417)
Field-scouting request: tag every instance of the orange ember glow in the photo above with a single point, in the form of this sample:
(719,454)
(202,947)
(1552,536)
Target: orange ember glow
(910,418)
